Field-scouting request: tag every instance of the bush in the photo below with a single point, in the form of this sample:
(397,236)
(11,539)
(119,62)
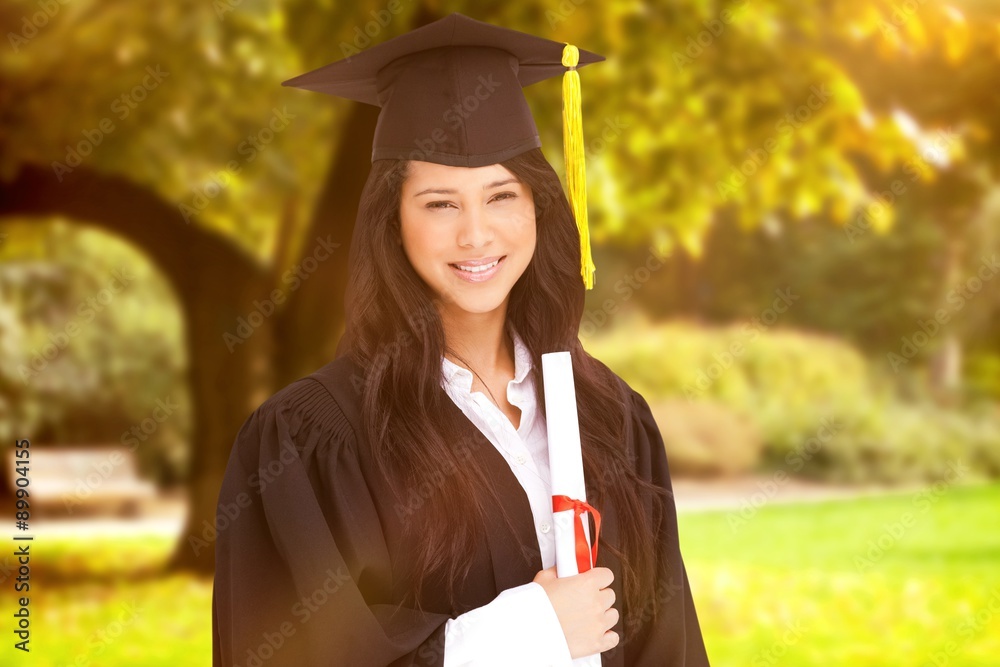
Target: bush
(789,384)
(982,372)
(706,438)
(819,410)
(920,443)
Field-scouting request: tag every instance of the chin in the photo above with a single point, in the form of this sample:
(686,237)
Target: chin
(479,305)
(479,300)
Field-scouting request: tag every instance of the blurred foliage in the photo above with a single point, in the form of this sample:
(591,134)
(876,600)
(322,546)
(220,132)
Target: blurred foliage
(723,121)
(706,439)
(211,103)
(871,289)
(722,78)
(744,364)
(819,407)
(983,373)
(93,346)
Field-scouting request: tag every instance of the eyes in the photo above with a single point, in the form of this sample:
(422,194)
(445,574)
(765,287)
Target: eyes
(445,204)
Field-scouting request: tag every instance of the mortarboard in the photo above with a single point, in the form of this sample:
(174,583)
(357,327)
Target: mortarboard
(450,92)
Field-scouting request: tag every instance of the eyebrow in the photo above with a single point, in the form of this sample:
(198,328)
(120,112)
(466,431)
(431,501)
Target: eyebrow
(489,186)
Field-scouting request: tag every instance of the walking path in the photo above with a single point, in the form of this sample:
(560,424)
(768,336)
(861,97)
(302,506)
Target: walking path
(166,515)
(699,495)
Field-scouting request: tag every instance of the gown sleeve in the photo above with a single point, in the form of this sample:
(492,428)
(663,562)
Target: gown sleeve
(303,575)
(674,639)
(519,627)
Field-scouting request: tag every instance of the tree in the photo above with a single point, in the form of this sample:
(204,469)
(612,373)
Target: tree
(166,125)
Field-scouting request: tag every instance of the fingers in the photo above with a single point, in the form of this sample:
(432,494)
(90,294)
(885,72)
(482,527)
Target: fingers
(607,597)
(610,640)
(602,576)
(610,618)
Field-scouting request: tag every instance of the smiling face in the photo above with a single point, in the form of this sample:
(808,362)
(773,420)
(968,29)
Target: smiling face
(468,232)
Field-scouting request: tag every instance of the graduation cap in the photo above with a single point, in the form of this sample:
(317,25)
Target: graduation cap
(450,92)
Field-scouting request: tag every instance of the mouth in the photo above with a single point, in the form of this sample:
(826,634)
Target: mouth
(478,271)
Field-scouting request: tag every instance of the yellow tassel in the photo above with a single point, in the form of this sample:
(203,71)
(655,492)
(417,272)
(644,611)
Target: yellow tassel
(576,175)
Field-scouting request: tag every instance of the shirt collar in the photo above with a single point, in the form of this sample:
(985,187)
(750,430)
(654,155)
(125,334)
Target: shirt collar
(455,375)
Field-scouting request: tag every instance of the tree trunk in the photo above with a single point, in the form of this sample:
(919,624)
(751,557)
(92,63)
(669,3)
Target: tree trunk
(945,363)
(309,327)
(215,283)
(230,376)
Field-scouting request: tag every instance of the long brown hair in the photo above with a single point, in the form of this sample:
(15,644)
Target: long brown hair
(395,333)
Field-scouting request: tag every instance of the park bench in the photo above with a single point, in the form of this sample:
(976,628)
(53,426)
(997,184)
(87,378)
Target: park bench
(81,480)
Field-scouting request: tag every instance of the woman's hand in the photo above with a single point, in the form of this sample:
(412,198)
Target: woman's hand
(583,605)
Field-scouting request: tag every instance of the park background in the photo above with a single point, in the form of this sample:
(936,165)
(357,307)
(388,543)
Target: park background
(794,208)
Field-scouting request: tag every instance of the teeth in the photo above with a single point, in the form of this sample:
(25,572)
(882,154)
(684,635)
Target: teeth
(478,269)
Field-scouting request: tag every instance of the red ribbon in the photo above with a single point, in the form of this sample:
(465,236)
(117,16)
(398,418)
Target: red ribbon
(562,503)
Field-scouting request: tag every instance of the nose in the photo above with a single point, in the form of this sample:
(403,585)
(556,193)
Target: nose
(475,228)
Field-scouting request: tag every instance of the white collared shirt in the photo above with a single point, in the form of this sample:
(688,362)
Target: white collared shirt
(520,625)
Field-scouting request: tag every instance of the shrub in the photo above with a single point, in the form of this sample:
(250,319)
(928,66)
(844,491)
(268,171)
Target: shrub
(818,408)
(706,438)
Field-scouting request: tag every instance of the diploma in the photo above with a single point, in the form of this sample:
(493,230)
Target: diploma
(569,496)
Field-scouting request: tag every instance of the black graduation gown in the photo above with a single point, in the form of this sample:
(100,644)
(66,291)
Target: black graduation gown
(309,559)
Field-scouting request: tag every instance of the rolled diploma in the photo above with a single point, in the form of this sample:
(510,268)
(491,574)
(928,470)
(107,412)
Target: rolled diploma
(565,455)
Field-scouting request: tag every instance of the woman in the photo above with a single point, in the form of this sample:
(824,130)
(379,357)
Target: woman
(394,506)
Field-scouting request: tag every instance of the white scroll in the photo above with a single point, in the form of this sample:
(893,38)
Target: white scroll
(566,465)
(565,457)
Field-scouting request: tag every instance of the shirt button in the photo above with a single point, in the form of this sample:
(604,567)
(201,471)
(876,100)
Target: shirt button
(521,459)
(546,527)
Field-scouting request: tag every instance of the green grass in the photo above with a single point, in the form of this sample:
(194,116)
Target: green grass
(912,579)
(97,602)
(783,587)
